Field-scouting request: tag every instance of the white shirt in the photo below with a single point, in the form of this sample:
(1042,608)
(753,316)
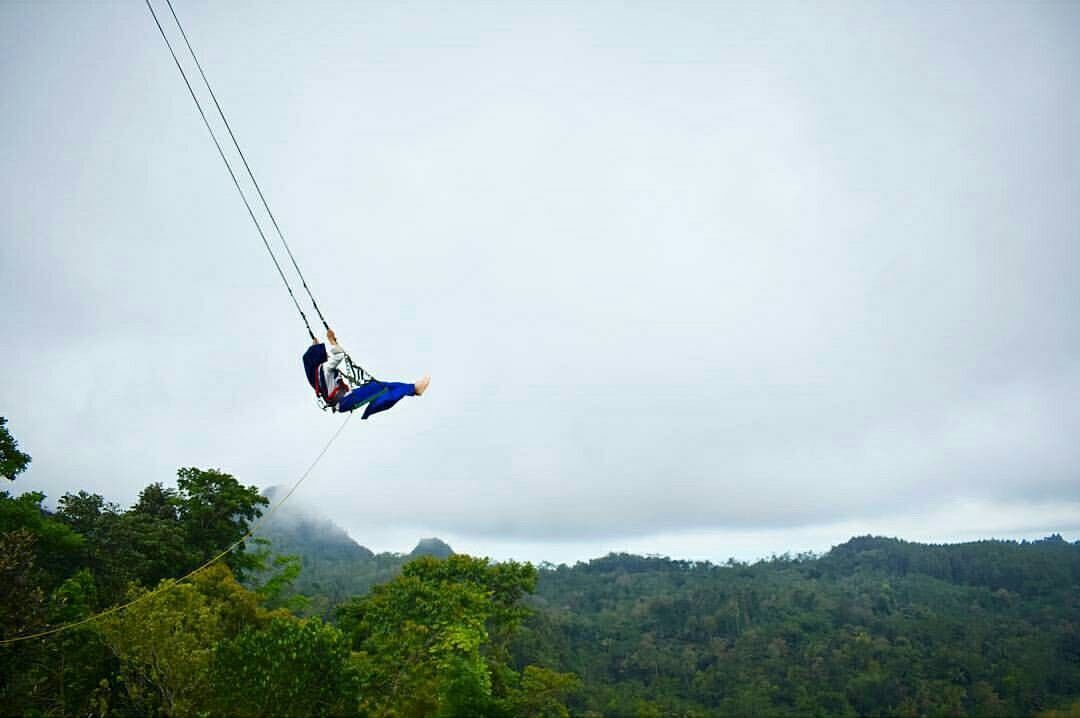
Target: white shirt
(334,356)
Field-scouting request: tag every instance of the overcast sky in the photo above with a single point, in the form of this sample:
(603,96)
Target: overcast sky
(704,279)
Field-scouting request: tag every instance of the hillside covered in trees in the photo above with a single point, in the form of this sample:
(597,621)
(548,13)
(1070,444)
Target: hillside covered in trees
(307,622)
(334,566)
(875,627)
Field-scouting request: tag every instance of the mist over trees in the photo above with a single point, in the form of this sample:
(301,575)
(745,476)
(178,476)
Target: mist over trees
(305,622)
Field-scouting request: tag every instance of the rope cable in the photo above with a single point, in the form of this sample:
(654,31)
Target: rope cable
(228,166)
(247,167)
(166,585)
(360,374)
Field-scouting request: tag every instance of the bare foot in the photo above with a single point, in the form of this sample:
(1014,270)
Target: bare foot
(421,386)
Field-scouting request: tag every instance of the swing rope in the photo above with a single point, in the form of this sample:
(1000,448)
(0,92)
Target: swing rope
(353,370)
(232,174)
(247,167)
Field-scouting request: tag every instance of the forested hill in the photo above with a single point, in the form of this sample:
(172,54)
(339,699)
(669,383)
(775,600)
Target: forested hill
(875,627)
(296,528)
(1026,568)
(332,566)
(430,640)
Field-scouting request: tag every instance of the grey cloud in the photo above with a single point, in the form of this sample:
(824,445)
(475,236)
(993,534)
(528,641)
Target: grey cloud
(671,267)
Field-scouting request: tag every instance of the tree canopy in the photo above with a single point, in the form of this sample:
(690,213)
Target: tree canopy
(876,626)
(12,461)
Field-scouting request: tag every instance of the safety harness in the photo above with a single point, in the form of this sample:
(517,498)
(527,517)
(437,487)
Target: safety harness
(354,376)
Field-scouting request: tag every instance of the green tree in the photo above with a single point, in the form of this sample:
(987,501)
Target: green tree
(215,510)
(274,578)
(58,675)
(418,640)
(290,668)
(543,693)
(125,547)
(83,512)
(430,641)
(165,643)
(158,502)
(21,591)
(23,610)
(12,461)
(57,549)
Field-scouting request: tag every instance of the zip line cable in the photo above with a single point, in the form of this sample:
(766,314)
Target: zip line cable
(170,584)
(232,174)
(247,167)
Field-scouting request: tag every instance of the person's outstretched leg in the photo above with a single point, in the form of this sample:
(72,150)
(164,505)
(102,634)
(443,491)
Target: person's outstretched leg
(395,392)
(361,395)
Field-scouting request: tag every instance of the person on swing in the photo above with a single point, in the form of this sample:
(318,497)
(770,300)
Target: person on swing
(321,367)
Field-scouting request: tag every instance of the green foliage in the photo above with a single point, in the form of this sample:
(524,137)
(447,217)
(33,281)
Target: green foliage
(1028,569)
(876,627)
(274,578)
(121,548)
(166,534)
(333,567)
(1072,711)
(24,608)
(327,581)
(37,553)
(12,461)
(215,510)
(290,668)
(56,547)
(433,642)
(543,693)
(57,677)
(165,643)
(21,589)
(89,555)
(418,639)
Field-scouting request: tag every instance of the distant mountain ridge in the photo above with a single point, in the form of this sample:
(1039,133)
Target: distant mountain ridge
(875,626)
(300,529)
(334,567)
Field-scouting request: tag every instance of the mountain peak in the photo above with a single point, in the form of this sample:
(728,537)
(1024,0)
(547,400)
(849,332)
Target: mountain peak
(432,547)
(297,528)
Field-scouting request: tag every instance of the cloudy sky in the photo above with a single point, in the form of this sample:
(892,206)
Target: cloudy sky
(704,279)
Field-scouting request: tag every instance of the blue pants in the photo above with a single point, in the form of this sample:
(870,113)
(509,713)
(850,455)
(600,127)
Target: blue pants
(378,395)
